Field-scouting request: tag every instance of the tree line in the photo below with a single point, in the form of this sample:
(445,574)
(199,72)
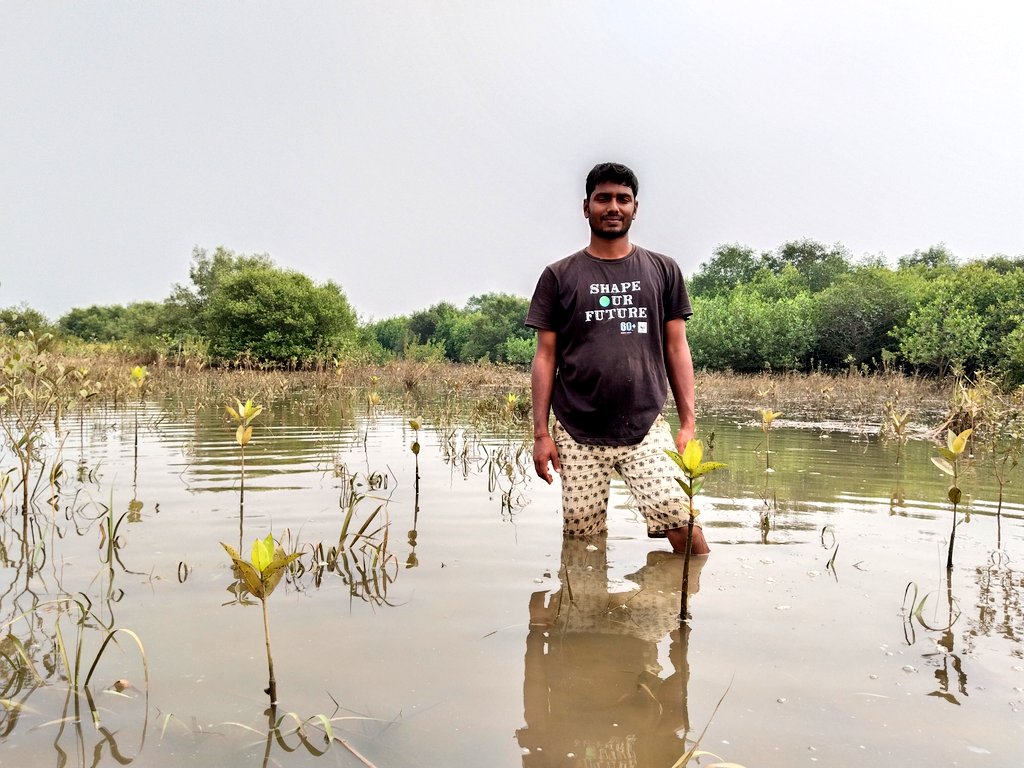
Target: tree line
(239,308)
(803,306)
(807,305)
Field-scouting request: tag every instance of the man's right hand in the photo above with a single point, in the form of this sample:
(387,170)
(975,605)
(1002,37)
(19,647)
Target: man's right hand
(544,452)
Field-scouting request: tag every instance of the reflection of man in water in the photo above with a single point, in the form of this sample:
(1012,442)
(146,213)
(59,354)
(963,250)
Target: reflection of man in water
(595,693)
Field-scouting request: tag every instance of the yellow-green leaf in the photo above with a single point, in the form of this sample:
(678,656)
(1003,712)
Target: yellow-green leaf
(263,553)
(954,495)
(942,464)
(232,413)
(273,573)
(232,552)
(674,455)
(708,466)
(693,453)
(243,435)
(685,486)
(960,442)
(250,578)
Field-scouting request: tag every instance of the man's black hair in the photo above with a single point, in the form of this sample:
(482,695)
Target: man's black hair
(614,173)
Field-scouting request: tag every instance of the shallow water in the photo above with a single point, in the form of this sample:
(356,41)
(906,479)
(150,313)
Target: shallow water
(484,640)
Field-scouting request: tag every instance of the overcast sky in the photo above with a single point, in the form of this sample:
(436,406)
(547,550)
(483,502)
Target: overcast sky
(416,152)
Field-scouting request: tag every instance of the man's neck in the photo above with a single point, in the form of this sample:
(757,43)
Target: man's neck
(610,250)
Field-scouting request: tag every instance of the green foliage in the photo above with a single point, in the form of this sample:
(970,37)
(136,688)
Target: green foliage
(745,332)
(819,265)
(137,321)
(933,260)
(262,312)
(730,265)
(436,325)
(23,319)
(393,333)
(855,317)
(967,318)
(430,352)
(807,303)
(520,351)
(492,319)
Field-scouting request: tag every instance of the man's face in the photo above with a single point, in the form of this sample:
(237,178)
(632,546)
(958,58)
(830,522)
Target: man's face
(610,210)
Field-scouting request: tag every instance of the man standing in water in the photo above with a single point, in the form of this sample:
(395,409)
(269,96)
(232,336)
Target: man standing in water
(611,340)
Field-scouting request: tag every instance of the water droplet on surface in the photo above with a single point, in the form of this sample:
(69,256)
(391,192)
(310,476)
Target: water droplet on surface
(782,607)
(781,700)
(591,548)
(909,668)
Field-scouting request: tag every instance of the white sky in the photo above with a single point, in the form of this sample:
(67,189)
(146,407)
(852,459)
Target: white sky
(416,151)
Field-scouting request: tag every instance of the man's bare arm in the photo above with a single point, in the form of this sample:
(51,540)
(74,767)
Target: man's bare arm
(542,384)
(679,366)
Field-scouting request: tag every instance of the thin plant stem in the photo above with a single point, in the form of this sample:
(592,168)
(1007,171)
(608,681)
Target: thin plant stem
(272,688)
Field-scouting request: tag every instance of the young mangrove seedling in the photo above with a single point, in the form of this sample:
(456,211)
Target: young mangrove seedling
(138,382)
(898,424)
(244,416)
(767,417)
(412,562)
(949,462)
(260,578)
(511,402)
(692,463)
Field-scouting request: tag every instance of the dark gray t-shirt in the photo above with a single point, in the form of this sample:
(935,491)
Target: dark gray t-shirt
(609,317)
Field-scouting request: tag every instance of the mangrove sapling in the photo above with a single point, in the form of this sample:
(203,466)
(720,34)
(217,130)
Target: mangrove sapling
(693,466)
(243,417)
(896,423)
(949,462)
(138,383)
(767,417)
(261,577)
(411,561)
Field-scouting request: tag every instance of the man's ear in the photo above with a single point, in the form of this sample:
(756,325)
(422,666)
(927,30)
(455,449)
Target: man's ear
(586,208)
(636,206)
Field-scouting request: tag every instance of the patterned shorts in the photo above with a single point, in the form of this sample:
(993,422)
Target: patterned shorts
(586,472)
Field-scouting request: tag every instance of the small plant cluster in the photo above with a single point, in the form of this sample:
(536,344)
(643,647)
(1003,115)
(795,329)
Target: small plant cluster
(35,391)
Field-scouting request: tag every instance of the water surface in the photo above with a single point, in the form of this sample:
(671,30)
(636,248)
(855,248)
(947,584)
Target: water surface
(484,639)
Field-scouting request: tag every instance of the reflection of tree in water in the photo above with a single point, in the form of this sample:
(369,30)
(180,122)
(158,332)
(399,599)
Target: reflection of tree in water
(595,692)
(1000,609)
